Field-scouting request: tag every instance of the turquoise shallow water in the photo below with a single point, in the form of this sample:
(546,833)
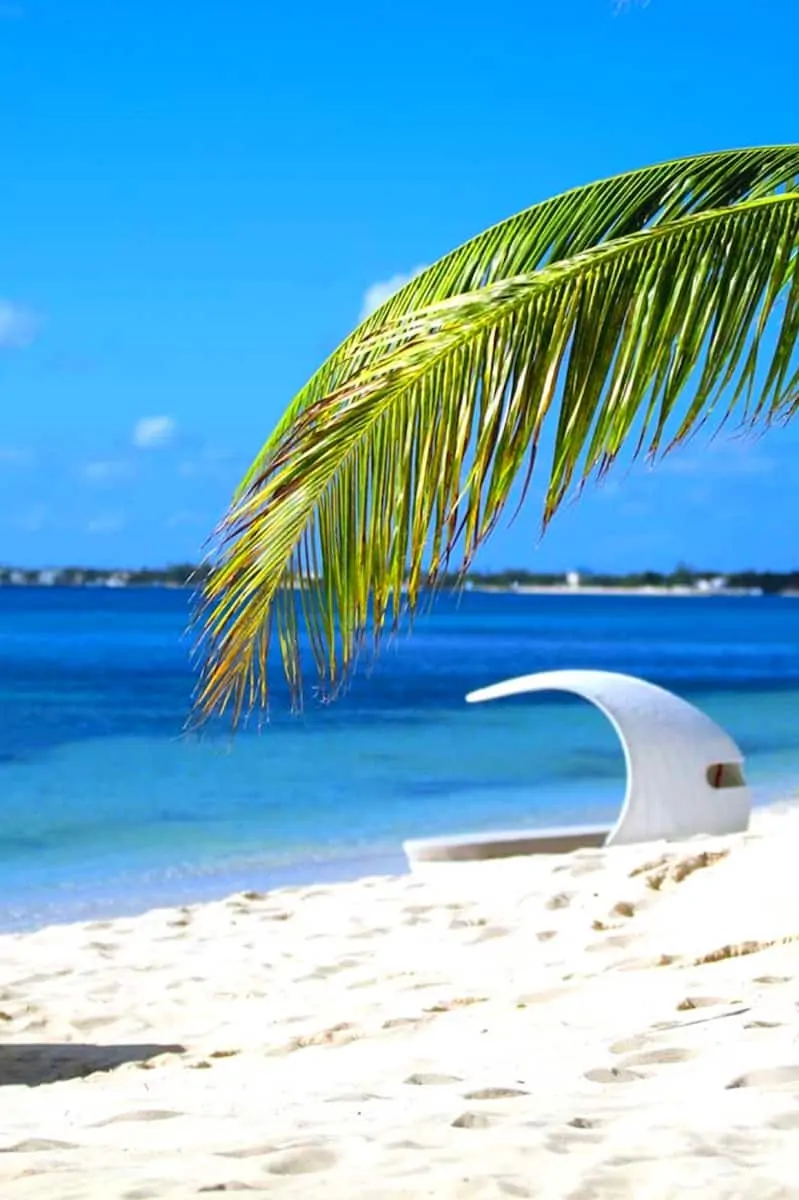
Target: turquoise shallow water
(107,808)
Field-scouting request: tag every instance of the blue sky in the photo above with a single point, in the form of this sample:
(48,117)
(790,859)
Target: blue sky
(199,197)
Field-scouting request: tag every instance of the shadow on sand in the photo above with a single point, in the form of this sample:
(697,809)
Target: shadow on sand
(31,1064)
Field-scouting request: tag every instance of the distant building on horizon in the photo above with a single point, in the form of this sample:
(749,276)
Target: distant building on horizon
(715,584)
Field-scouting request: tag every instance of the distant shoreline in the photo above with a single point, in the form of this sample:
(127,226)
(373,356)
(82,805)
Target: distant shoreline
(523,589)
(607,590)
(682,581)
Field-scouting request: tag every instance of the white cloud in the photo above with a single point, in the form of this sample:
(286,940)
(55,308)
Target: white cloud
(18,326)
(383,290)
(154,431)
(105,523)
(103,470)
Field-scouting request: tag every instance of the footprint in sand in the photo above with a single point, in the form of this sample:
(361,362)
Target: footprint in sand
(474,1120)
(34,1145)
(613,1075)
(325,972)
(495,1093)
(106,948)
(232,1185)
(489,933)
(659,1057)
(146,1114)
(640,1056)
(561,900)
(509,1187)
(768,1077)
(336,1034)
(304,1160)
(456,1002)
(701,1002)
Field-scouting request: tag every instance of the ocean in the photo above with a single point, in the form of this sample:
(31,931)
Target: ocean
(107,808)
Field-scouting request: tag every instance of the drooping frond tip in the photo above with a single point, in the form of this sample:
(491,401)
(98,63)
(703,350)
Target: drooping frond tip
(608,314)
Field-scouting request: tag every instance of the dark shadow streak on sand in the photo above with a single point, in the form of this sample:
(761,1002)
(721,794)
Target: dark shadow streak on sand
(31,1064)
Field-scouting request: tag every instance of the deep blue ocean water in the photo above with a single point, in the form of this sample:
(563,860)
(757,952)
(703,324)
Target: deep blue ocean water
(106,807)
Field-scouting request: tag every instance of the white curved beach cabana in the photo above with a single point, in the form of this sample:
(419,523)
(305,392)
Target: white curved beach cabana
(684,773)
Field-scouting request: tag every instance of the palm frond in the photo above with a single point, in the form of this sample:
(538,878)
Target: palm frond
(556,229)
(402,452)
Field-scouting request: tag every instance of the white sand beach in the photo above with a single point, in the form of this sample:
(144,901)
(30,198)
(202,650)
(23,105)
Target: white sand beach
(620,1023)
